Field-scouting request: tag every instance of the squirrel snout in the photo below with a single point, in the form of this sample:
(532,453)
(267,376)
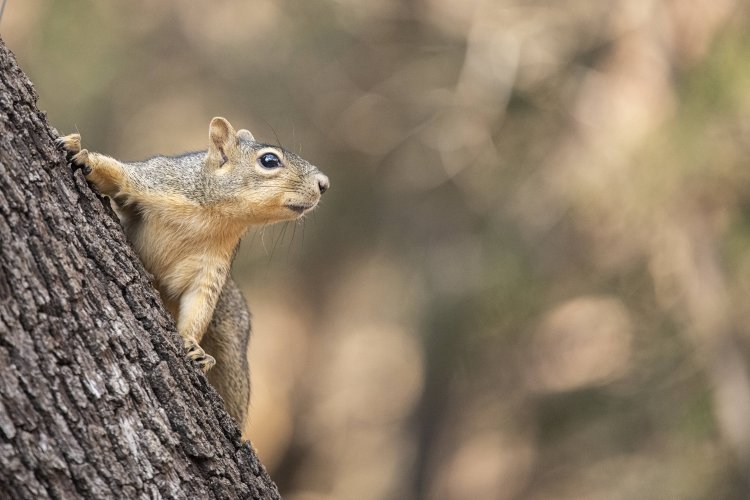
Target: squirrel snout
(323,183)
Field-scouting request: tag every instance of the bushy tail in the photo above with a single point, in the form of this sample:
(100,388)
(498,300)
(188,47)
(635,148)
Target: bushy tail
(226,340)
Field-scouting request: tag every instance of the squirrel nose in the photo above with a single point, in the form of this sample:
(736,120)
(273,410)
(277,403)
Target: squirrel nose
(323,183)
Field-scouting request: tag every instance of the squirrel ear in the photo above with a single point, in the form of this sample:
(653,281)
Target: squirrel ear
(222,142)
(245,134)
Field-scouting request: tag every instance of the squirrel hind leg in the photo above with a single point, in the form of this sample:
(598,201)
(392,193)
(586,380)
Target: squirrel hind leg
(197,354)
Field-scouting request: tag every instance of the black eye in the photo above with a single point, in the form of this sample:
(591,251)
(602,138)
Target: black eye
(270,160)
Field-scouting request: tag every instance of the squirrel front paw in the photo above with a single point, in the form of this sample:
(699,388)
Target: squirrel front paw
(70,143)
(72,146)
(197,354)
(82,159)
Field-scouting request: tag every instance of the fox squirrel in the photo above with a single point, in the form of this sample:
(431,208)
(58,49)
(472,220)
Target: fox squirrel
(185,215)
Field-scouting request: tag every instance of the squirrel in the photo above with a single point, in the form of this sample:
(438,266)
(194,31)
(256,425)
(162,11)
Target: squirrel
(184,216)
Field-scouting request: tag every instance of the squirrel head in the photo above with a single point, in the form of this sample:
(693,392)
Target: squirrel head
(262,183)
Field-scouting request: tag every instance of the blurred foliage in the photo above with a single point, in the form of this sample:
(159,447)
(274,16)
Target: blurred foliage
(530,278)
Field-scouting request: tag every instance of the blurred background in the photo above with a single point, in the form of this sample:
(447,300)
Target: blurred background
(531,276)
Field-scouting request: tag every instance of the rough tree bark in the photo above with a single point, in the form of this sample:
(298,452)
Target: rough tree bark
(97,399)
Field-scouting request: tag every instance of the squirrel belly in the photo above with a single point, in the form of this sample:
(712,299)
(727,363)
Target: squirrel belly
(185,215)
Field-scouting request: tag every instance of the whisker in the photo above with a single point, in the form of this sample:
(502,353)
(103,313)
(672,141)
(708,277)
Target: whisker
(263,238)
(283,235)
(294,232)
(302,245)
(276,241)
(255,235)
(278,142)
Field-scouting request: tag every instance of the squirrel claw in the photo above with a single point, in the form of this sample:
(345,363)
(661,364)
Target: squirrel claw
(81,159)
(70,143)
(197,354)
(206,362)
(72,146)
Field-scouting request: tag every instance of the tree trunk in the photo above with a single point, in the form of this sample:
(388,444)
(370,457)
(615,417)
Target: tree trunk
(97,398)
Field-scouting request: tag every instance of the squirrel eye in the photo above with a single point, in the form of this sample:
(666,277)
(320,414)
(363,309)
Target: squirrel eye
(269,160)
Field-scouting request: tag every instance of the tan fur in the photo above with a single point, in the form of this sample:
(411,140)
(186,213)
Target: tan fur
(185,216)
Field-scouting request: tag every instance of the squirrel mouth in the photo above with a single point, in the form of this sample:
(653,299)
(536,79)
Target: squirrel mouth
(300,208)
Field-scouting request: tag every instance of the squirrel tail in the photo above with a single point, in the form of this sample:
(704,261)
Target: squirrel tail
(226,339)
